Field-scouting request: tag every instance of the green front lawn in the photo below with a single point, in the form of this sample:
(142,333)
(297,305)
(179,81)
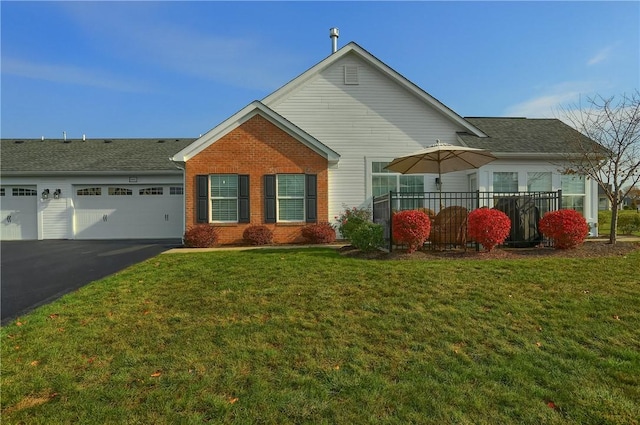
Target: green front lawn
(307,336)
(604,222)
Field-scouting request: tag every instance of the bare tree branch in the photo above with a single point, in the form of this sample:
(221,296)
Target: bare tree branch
(610,151)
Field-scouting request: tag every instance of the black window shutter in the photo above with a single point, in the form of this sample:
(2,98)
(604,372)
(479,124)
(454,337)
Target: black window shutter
(311,197)
(270,198)
(202,198)
(243,199)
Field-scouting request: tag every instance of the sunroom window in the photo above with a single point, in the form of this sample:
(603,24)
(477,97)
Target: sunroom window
(505,181)
(539,182)
(573,192)
(383,181)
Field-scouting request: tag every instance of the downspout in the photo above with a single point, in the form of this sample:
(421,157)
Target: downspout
(184,194)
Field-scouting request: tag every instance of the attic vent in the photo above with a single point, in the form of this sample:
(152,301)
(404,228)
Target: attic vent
(351,74)
(160,141)
(18,142)
(107,141)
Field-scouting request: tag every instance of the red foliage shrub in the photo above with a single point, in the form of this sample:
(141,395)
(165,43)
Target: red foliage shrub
(258,235)
(319,233)
(411,227)
(201,236)
(488,227)
(567,228)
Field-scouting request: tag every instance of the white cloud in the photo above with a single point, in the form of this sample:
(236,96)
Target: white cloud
(542,106)
(69,74)
(551,100)
(600,56)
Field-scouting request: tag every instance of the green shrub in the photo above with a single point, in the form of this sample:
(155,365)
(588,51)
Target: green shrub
(351,218)
(604,217)
(628,223)
(367,236)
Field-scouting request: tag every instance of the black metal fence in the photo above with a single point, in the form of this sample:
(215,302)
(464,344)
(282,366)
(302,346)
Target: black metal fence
(449,211)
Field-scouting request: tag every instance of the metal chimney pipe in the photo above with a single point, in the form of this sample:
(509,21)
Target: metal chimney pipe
(334,33)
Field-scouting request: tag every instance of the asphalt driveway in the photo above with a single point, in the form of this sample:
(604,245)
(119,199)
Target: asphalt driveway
(34,273)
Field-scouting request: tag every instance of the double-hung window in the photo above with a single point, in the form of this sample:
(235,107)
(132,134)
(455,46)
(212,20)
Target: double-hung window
(291,197)
(505,181)
(573,192)
(540,182)
(224,197)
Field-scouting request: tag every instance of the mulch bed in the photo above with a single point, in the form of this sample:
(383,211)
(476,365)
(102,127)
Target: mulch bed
(589,249)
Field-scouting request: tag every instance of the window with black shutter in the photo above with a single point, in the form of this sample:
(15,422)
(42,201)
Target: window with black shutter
(222,198)
(202,198)
(270,198)
(243,199)
(311,198)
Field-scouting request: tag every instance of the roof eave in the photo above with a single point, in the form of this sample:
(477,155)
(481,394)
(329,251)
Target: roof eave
(89,173)
(565,156)
(246,113)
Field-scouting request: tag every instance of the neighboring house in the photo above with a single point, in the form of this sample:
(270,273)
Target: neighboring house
(604,204)
(313,147)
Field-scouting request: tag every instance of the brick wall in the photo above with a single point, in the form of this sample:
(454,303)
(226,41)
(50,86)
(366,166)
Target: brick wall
(257,147)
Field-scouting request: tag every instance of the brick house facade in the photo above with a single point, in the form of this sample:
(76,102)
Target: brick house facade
(256,148)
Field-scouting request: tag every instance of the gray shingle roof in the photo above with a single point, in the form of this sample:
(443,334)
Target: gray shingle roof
(92,155)
(524,135)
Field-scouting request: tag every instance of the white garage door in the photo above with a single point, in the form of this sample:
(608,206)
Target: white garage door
(19,205)
(128,211)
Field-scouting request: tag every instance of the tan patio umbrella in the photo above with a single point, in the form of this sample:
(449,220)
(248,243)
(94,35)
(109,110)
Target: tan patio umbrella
(441,158)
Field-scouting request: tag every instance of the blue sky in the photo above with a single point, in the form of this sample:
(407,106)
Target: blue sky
(177,69)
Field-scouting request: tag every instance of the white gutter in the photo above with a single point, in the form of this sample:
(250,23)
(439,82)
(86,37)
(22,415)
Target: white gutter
(181,167)
(87,173)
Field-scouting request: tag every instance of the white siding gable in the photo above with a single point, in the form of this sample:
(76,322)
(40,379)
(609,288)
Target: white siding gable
(375,118)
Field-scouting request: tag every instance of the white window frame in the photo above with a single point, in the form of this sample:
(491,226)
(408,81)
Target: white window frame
(582,195)
(493,181)
(280,197)
(530,180)
(398,177)
(213,198)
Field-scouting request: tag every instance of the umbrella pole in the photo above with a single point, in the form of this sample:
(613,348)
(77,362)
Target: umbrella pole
(439,186)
